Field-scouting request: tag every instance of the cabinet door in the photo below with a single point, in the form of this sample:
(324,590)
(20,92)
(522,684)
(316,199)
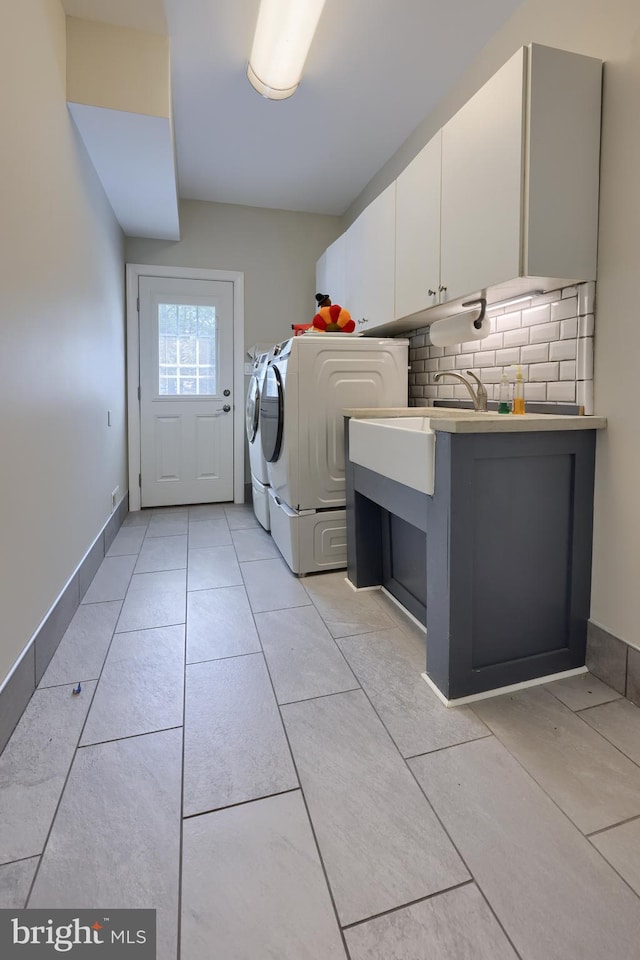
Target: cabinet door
(418,231)
(370,280)
(482,184)
(335,271)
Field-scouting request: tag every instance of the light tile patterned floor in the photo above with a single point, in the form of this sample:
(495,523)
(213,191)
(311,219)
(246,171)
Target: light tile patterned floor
(257,757)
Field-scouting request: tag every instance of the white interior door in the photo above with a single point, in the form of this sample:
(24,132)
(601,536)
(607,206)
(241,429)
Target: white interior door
(186,381)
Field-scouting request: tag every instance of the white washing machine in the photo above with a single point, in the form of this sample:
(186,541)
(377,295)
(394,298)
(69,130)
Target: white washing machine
(308,384)
(257,462)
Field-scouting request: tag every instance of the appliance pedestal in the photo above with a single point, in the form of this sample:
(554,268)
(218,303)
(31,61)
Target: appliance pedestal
(311,541)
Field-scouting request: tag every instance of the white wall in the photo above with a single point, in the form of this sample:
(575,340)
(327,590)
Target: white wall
(275,249)
(610,30)
(61,331)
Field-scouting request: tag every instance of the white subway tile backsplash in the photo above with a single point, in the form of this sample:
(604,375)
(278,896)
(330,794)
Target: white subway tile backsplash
(516,338)
(568,370)
(585,359)
(564,392)
(549,297)
(486,358)
(563,350)
(487,343)
(535,391)
(584,395)
(492,342)
(536,353)
(545,333)
(465,360)
(509,321)
(534,315)
(505,357)
(552,339)
(586,298)
(491,374)
(586,325)
(543,371)
(563,309)
(569,329)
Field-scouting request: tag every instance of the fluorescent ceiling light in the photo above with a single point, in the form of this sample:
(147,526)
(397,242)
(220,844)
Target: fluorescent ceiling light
(283,36)
(508,303)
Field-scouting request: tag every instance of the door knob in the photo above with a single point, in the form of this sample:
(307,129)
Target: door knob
(227,392)
(226,408)
(432,293)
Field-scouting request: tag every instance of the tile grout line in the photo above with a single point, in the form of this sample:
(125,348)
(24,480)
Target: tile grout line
(555,803)
(448,746)
(240,803)
(444,829)
(607,740)
(129,736)
(455,847)
(410,903)
(302,794)
(75,752)
(360,687)
(621,823)
(182,756)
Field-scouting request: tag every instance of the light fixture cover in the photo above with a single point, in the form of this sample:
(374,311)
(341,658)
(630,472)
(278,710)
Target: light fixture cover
(512,300)
(281,43)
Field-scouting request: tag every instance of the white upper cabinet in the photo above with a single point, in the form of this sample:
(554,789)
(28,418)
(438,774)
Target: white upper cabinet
(370,274)
(520,170)
(482,178)
(502,202)
(331,271)
(418,231)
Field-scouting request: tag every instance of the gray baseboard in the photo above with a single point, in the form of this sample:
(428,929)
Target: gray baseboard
(26,675)
(614,662)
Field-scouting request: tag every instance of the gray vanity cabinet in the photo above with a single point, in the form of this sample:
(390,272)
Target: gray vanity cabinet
(503,547)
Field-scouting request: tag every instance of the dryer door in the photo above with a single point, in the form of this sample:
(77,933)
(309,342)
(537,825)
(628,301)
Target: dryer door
(253,409)
(272,413)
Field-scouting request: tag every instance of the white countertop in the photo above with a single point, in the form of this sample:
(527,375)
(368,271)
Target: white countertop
(459,420)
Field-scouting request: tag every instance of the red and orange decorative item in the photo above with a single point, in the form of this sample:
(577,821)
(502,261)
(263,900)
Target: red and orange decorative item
(333,319)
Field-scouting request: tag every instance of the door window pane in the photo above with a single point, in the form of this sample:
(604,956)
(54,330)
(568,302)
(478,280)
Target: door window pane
(187,350)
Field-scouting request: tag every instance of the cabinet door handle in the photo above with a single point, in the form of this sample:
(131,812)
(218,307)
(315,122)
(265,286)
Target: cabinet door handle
(442,289)
(364,320)
(432,293)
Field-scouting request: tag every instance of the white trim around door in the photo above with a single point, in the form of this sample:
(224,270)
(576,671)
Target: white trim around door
(133,272)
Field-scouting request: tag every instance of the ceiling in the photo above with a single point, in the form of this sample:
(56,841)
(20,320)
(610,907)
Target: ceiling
(376,68)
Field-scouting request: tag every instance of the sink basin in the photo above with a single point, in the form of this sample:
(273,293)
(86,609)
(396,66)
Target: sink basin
(401,448)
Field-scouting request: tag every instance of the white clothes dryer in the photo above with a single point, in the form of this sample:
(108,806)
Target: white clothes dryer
(308,385)
(257,462)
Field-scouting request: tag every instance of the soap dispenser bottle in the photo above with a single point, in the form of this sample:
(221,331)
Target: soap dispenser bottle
(518,397)
(504,395)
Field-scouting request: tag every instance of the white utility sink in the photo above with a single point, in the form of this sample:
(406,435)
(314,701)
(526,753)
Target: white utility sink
(401,448)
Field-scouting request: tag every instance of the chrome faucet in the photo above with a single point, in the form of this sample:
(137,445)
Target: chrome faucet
(478,396)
